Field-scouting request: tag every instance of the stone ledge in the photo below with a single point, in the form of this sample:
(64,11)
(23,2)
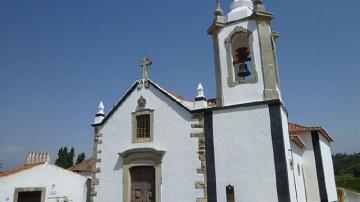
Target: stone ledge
(197,135)
(200,171)
(201,200)
(197,125)
(200,185)
(93,193)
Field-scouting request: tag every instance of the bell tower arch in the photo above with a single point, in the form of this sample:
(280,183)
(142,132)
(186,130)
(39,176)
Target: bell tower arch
(245,56)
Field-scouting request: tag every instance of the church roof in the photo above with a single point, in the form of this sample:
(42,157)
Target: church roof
(86,165)
(181,101)
(189,104)
(296,129)
(19,169)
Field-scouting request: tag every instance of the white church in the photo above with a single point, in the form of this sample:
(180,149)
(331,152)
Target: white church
(156,146)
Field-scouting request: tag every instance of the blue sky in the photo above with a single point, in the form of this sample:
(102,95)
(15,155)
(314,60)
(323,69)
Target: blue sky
(58,59)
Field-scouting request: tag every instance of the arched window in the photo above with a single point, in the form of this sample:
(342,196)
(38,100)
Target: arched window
(241,66)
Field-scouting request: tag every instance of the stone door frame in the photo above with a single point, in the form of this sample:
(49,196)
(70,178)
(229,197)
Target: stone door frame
(141,157)
(29,189)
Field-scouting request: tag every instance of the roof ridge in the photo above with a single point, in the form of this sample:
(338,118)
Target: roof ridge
(19,169)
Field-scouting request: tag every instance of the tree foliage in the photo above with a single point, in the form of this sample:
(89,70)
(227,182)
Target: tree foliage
(347,164)
(80,158)
(65,158)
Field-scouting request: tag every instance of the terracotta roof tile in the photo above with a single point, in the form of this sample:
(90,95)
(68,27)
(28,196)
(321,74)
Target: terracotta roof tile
(19,169)
(298,129)
(86,165)
(298,141)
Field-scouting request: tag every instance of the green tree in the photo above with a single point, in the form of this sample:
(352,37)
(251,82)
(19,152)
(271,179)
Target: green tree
(65,158)
(80,158)
(70,157)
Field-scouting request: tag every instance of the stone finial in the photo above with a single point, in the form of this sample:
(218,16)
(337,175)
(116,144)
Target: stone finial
(100,114)
(200,90)
(218,11)
(259,5)
(101,108)
(200,100)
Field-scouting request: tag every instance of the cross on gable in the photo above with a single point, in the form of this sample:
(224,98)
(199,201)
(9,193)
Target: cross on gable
(144,64)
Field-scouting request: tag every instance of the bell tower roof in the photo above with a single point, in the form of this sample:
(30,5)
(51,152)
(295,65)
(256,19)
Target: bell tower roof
(240,9)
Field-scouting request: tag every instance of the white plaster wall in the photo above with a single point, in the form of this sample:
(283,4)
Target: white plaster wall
(298,174)
(66,183)
(243,154)
(311,182)
(245,92)
(328,169)
(172,128)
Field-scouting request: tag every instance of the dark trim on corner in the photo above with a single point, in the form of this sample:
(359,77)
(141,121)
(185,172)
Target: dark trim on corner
(275,102)
(127,94)
(280,161)
(319,166)
(210,157)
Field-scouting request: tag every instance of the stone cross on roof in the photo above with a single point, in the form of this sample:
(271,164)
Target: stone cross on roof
(144,64)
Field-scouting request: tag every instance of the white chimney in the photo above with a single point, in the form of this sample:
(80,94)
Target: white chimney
(37,157)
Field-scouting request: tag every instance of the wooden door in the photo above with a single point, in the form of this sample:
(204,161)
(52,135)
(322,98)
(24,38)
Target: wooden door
(142,184)
(29,196)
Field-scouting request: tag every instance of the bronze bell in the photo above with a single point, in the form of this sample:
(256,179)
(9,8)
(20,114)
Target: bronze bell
(243,71)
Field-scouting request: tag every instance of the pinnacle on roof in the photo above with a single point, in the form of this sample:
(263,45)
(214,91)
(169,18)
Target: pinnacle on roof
(100,114)
(200,90)
(101,109)
(240,9)
(218,11)
(241,3)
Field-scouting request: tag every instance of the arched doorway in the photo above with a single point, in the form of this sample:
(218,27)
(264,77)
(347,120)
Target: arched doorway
(142,184)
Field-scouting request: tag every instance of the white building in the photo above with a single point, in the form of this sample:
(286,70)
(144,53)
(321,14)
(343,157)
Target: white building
(156,146)
(312,163)
(42,182)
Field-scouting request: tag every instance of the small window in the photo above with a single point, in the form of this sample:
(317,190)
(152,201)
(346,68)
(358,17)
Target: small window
(143,126)
(142,121)
(230,196)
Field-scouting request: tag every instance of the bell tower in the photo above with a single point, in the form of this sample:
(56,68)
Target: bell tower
(245,58)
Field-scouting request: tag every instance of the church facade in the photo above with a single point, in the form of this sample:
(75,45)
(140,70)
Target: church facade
(155,146)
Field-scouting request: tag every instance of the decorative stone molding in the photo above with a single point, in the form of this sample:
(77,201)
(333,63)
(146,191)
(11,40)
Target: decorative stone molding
(141,157)
(30,189)
(199,135)
(232,82)
(95,169)
(138,112)
(141,102)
